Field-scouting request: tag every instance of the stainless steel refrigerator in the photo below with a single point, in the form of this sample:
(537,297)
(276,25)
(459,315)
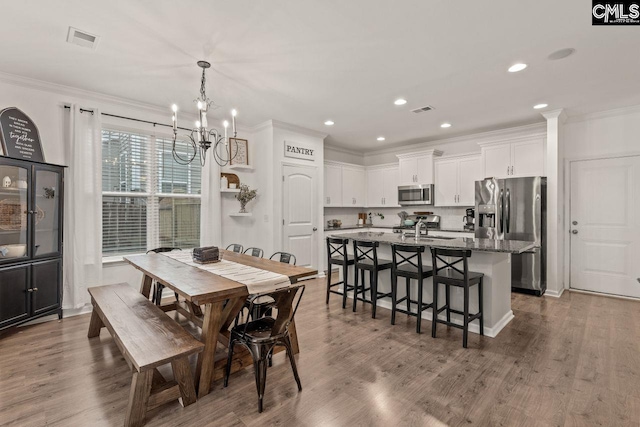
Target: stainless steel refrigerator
(516,209)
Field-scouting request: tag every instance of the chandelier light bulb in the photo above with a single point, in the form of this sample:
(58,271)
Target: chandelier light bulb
(197,124)
(234,112)
(199,105)
(225,124)
(174,108)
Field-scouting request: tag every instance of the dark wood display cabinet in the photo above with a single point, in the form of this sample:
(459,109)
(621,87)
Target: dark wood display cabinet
(31,217)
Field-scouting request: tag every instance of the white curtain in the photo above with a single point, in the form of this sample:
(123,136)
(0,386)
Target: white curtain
(210,214)
(83,206)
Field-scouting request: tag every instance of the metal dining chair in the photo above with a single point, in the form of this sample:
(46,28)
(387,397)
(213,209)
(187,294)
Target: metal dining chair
(256,252)
(156,297)
(261,336)
(285,257)
(236,247)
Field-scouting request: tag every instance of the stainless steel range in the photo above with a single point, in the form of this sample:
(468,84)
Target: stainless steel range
(432,222)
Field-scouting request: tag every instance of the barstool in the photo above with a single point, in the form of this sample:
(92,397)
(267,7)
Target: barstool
(404,265)
(449,275)
(366,259)
(337,255)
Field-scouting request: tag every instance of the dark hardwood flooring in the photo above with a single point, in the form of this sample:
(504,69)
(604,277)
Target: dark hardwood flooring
(573,361)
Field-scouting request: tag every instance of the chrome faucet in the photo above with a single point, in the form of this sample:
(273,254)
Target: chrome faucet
(419,225)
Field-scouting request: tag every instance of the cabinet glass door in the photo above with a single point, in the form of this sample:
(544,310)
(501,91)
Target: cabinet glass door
(14,205)
(46,212)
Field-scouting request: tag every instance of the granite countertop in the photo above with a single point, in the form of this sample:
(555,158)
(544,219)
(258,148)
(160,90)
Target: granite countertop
(390,227)
(482,245)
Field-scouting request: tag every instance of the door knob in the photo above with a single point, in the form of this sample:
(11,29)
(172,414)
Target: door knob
(574,231)
(574,222)
(315,228)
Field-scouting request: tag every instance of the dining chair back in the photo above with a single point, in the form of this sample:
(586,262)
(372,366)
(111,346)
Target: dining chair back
(284,257)
(156,295)
(256,252)
(235,247)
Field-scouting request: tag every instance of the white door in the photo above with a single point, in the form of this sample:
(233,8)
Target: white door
(497,161)
(375,189)
(299,213)
(527,158)
(332,185)
(469,171)
(446,186)
(390,185)
(605,232)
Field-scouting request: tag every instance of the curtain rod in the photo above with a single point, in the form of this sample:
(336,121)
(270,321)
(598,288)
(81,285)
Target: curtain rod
(82,110)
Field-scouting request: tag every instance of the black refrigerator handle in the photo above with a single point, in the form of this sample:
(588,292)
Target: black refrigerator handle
(508,209)
(501,211)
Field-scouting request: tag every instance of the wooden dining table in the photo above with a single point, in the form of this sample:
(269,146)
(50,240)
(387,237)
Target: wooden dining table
(222,300)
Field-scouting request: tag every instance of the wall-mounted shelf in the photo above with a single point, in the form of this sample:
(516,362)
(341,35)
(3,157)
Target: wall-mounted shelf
(241,214)
(241,167)
(230,190)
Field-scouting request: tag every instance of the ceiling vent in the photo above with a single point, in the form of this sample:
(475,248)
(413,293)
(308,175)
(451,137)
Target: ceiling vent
(423,109)
(82,38)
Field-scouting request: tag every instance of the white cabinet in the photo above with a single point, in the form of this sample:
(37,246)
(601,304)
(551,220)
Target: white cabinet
(514,159)
(353,186)
(382,187)
(417,168)
(455,180)
(332,185)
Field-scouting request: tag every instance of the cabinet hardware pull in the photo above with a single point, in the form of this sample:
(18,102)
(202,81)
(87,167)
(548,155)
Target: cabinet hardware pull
(29,290)
(35,289)
(511,170)
(507,170)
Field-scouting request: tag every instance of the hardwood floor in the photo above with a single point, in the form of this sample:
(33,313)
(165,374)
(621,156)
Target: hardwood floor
(573,361)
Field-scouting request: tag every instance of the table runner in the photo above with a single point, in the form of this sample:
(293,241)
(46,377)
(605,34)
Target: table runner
(256,280)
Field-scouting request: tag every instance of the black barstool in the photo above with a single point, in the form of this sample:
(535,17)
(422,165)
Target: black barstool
(407,263)
(449,275)
(337,255)
(366,259)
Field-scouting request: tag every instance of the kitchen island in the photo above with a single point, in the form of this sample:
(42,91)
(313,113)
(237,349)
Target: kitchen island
(491,257)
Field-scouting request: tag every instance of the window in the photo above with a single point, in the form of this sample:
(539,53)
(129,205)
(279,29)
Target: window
(148,200)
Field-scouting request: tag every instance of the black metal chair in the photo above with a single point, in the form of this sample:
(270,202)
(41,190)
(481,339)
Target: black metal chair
(407,263)
(337,255)
(285,257)
(156,296)
(260,336)
(256,252)
(445,272)
(236,247)
(366,259)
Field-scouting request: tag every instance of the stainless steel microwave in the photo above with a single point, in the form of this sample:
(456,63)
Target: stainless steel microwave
(409,195)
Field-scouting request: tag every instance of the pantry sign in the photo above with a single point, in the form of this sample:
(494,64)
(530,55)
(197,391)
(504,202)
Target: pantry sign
(19,136)
(298,151)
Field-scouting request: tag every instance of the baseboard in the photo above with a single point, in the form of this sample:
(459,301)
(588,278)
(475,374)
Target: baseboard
(553,293)
(600,294)
(70,312)
(473,327)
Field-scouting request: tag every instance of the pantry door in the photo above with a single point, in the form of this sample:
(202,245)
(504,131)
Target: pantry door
(604,226)
(300,232)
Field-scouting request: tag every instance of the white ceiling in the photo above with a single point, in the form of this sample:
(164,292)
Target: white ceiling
(306,61)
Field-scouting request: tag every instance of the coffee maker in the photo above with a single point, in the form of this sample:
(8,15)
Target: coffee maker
(469,220)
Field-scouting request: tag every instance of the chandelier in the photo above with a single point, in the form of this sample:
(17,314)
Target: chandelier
(201,138)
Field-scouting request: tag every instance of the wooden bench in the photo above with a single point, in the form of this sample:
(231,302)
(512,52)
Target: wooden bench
(147,338)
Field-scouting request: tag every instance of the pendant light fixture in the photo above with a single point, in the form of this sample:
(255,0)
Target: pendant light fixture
(201,137)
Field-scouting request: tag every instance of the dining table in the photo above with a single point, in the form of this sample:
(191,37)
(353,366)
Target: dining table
(221,298)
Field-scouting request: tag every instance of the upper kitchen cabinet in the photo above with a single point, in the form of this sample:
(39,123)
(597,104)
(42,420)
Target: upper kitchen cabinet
(353,186)
(514,159)
(455,179)
(382,186)
(332,185)
(417,168)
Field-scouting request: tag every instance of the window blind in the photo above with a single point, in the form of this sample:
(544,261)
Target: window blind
(148,199)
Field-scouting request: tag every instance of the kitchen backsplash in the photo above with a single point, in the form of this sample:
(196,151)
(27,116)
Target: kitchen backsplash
(450,218)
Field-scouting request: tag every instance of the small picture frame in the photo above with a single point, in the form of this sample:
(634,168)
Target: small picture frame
(238,151)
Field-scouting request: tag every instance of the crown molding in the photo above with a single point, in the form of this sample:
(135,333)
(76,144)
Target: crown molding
(70,91)
(499,135)
(555,114)
(277,124)
(616,112)
(432,153)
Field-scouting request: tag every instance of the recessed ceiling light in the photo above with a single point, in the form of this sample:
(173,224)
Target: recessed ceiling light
(329,123)
(445,125)
(561,54)
(517,67)
(540,106)
(380,138)
(400,101)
